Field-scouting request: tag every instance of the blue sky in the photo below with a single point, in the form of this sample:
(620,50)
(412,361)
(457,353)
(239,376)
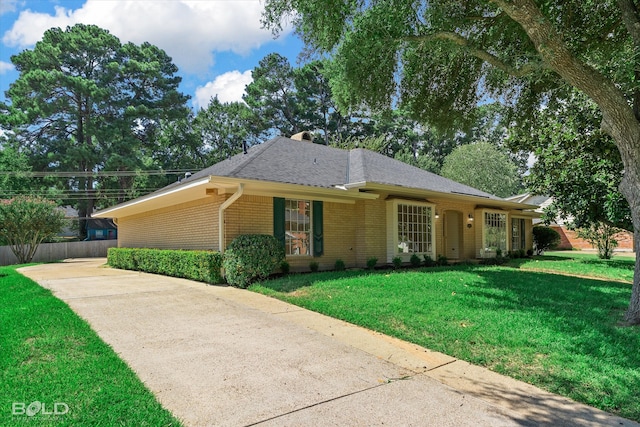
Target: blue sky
(214,43)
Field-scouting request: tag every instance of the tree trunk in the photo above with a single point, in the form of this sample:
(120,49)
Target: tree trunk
(619,119)
(630,187)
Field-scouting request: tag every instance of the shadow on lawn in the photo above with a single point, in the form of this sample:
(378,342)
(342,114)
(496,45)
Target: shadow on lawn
(587,310)
(572,320)
(623,264)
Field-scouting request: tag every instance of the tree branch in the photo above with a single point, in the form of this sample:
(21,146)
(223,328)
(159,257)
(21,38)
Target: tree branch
(482,54)
(550,44)
(631,19)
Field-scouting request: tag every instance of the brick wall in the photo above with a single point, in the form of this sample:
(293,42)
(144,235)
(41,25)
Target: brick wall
(569,240)
(192,225)
(371,240)
(254,214)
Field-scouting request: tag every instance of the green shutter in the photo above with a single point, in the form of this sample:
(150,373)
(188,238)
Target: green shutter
(318,232)
(278,219)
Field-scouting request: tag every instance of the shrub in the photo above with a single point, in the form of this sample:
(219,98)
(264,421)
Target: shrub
(415,261)
(252,257)
(544,238)
(397,262)
(442,261)
(529,252)
(371,263)
(339,265)
(27,221)
(428,261)
(497,260)
(314,266)
(203,266)
(285,267)
(602,237)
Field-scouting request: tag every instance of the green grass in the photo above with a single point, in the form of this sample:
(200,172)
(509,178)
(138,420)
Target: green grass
(48,354)
(557,332)
(580,264)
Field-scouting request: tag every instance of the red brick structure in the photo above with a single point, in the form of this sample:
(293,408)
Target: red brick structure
(569,240)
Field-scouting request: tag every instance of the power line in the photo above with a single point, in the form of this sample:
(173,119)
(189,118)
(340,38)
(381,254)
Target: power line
(72,174)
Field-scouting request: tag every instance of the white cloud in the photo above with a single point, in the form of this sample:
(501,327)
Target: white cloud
(5,67)
(228,87)
(7,6)
(189,31)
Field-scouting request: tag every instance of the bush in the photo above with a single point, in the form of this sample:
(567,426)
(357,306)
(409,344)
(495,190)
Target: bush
(285,267)
(397,262)
(252,257)
(27,221)
(203,266)
(497,260)
(428,261)
(529,252)
(339,265)
(442,261)
(415,261)
(314,266)
(371,263)
(602,237)
(544,238)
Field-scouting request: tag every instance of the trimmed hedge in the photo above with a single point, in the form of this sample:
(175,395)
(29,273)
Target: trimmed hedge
(203,266)
(251,257)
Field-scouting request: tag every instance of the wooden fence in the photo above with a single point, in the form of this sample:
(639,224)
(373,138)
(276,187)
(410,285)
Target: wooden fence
(58,251)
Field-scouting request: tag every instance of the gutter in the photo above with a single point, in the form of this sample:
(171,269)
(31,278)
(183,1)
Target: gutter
(221,210)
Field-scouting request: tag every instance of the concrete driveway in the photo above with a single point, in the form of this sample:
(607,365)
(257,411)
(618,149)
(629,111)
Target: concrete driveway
(219,356)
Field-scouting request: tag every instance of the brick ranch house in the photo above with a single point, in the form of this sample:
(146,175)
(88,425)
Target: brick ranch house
(325,204)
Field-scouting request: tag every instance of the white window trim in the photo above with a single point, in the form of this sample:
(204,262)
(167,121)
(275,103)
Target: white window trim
(523,218)
(392,229)
(484,252)
(310,254)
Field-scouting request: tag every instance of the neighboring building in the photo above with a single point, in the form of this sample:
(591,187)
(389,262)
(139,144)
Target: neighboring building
(325,204)
(568,238)
(101,229)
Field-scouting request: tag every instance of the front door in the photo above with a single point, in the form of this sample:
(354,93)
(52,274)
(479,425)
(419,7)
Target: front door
(452,234)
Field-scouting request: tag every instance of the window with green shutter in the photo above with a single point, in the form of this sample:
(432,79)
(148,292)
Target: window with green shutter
(278,219)
(298,224)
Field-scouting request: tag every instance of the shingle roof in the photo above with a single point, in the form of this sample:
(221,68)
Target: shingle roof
(300,162)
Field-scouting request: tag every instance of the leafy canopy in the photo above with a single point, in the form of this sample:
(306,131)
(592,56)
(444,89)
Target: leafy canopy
(85,102)
(484,167)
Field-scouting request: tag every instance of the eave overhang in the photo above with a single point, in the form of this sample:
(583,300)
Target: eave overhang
(215,185)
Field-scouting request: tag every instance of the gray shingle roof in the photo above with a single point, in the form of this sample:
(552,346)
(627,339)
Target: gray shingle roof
(304,163)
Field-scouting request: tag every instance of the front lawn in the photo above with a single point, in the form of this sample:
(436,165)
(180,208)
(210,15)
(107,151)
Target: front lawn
(620,267)
(557,332)
(54,370)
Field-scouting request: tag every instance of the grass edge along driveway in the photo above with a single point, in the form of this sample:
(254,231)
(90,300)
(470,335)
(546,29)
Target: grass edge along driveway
(55,370)
(557,332)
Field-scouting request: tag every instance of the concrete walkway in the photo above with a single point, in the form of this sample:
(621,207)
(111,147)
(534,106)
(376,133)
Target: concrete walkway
(220,356)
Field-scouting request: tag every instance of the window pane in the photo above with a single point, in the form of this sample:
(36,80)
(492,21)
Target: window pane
(495,231)
(414,229)
(297,227)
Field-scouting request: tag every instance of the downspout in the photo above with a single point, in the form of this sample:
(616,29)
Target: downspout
(235,196)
